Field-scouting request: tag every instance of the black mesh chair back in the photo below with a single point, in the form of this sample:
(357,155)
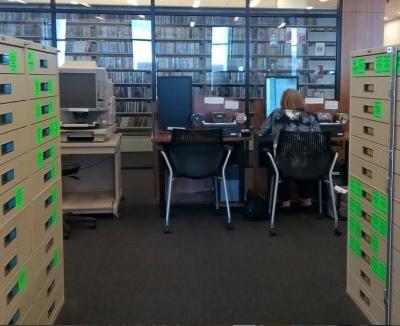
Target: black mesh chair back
(196,153)
(303,155)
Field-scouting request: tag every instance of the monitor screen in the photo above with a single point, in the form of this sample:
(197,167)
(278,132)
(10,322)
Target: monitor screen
(78,90)
(274,88)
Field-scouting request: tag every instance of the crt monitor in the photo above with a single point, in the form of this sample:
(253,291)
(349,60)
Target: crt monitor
(78,90)
(274,88)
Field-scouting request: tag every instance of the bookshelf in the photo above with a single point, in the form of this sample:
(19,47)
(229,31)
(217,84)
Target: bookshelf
(304,47)
(210,49)
(121,44)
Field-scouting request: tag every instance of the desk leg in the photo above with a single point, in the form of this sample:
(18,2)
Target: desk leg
(241,171)
(161,184)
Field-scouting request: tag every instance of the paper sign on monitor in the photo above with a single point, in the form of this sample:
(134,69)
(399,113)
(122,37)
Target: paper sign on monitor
(232,105)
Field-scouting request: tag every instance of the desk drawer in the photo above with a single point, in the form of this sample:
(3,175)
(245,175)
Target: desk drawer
(371,87)
(11,59)
(13,144)
(46,177)
(370,151)
(369,173)
(39,86)
(365,301)
(43,109)
(13,116)
(371,109)
(43,155)
(377,132)
(14,201)
(43,132)
(41,63)
(15,246)
(12,88)
(46,214)
(13,172)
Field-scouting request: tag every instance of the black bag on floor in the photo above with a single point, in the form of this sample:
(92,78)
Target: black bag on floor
(254,208)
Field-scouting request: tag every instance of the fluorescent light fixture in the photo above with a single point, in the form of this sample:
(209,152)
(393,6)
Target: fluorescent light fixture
(282,25)
(99,17)
(85,4)
(309,7)
(20,1)
(132,2)
(254,3)
(196,4)
(192,24)
(385,18)
(141,16)
(236,19)
(324,0)
(74,2)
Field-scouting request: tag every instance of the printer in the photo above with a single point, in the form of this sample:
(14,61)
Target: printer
(87,102)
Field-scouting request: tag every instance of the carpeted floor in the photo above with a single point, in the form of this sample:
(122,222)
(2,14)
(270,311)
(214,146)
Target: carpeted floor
(128,271)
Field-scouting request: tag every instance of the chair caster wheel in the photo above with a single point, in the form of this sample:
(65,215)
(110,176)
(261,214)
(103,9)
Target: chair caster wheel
(167,230)
(337,232)
(230,227)
(272,232)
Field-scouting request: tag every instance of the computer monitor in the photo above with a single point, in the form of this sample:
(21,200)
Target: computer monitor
(274,88)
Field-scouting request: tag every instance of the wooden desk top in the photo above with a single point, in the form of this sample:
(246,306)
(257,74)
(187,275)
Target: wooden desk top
(109,146)
(160,138)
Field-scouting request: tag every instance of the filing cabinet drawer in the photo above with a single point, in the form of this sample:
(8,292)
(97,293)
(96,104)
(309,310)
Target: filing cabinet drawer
(396,235)
(14,201)
(43,132)
(15,248)
(363,273)
(46,214)
(13,116)
(369,173)
(396,289)
(11,59)
(17,316)
(371,109)
(376,132)
(365,301)
(379,64)
(370,151)
(41,63)
(376,87)
(53,308)
(13,172)
(46,177)
(13,144)
(43,109)
(43,155)
(12,88)
(396,261)
(39,86)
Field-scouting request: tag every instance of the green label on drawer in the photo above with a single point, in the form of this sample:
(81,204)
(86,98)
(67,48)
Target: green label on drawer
(36,87)
(355,227)
(379,225)
(13,61)
(383,64)
(54,195)
(54,216)
(355,245)
(56,258)
(355,187)
(54,172)
(39,135)
(358,67)
(22,280)
(355,207)
(379,269)
(19,197)
(54,128)
(51,107)
(38,110)
(30,61)
(378,106)
(380,202)
(51,87)
(398,63)
(53,152)
(374,243)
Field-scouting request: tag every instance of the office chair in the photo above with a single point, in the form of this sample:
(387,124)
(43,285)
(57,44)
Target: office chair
(197,154)
(70,170)
(303,156)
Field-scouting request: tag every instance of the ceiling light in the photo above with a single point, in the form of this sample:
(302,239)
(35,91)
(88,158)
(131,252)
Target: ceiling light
(99,17)
(196,4)
(192,24)
(282,25)
(254,3)
(324,0)
(85,4)
(141,16)
(309,7)
(132,2)
(74,2)
(236,19)
(385,18)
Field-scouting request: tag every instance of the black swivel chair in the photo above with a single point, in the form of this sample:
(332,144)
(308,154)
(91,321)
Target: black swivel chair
(70,170)
(303,156)
(197,154)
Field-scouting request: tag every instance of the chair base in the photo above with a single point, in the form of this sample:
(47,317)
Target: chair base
(230,227)
(167,230)
(272,233)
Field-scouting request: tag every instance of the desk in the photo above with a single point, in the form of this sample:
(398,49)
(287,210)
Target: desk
(238,152)
(98,190)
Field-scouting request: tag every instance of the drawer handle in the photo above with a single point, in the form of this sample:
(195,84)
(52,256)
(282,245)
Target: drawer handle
(366,216)
(10,265)
(48,201)
(367,196)
(46,154)
(46,132)
(6,118)
(45,109)
(4,59)
(44,63)
(51,309)
(367,172)
(6,177)
(15,317)
(51,287)
(365,278)
(13,292)
(10,237)
(366,237)
(370,66)
(364,297)
(48,223)
(47,176)
(368,109)
(368,151)
(369,88)
(10,205)
(7,148)
(44,87)
(5,89)
(368,131)
(49,245)
(366,257)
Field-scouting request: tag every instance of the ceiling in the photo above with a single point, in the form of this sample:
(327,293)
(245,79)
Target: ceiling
(392,9)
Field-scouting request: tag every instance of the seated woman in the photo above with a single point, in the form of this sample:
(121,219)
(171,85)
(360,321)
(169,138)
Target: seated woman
(292,117)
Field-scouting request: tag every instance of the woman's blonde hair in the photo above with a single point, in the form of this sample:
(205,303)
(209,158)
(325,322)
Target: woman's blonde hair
(292,100)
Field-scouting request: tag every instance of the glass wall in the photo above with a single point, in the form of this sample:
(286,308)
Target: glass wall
(202,3)
(295,4)
(79,4)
